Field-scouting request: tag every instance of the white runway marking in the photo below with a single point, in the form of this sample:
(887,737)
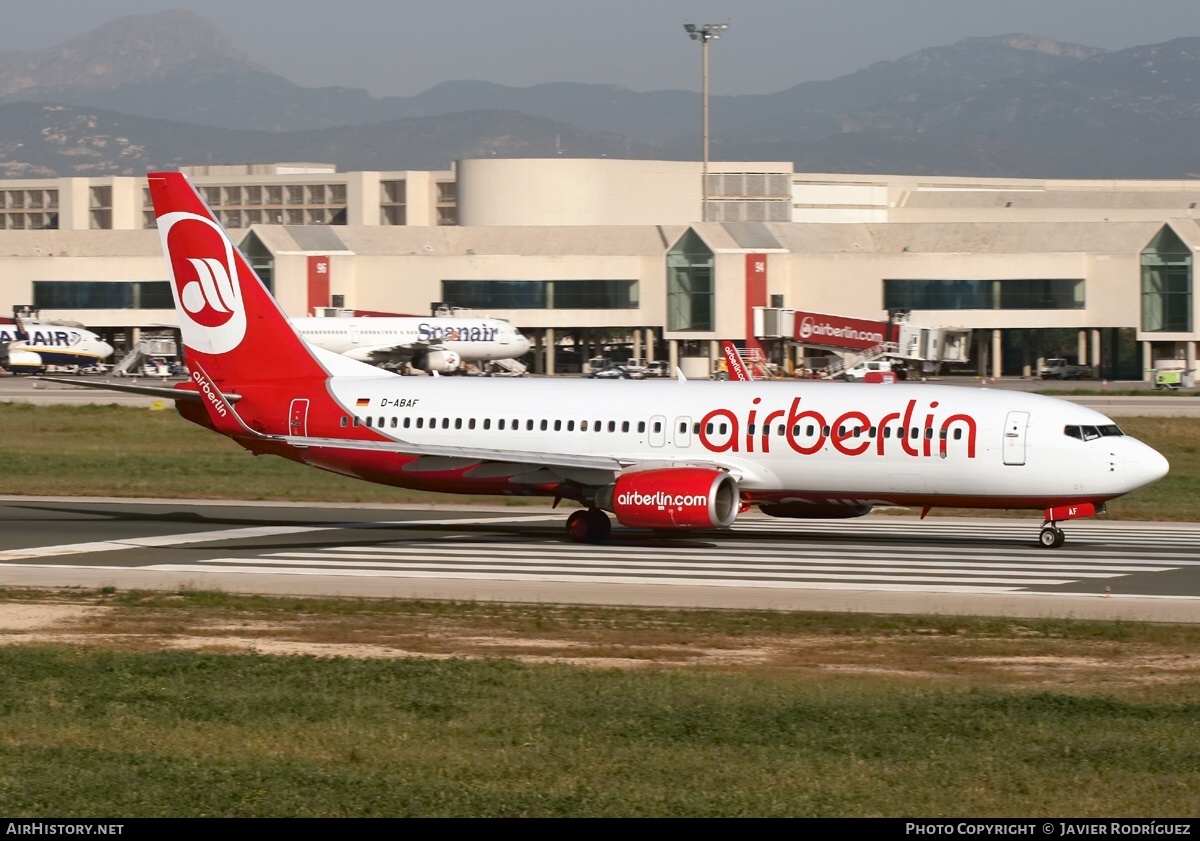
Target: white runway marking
(230,534)
(882,554)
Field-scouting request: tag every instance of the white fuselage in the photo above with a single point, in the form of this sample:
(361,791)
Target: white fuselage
(39,345)
(373,339)
(828,442)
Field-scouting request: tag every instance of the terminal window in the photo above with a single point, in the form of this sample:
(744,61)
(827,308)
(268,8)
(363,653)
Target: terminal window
(974,294)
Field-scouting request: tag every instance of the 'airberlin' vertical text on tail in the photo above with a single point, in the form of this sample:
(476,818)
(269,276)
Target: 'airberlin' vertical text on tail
(229,322)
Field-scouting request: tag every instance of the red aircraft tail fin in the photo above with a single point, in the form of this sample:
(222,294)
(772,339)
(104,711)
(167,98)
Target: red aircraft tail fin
(229,322)
(733,362)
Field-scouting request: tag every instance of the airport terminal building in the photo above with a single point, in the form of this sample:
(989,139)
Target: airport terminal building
(583,254)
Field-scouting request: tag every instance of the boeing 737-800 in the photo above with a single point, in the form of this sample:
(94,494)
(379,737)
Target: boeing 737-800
(428,344)
(665,455)
(28,346)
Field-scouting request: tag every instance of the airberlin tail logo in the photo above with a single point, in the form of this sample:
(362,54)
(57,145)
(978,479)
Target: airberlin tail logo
(204,279)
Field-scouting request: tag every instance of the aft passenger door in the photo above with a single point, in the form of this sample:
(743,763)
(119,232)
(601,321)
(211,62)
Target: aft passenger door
(1014,437)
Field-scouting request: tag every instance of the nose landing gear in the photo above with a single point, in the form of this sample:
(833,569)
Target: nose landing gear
(1051,536)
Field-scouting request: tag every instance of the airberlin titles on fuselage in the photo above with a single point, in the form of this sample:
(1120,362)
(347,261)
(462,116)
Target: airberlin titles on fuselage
(851,433)
(807,431)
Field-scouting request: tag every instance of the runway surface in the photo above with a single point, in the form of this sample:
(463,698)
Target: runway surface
(881,563)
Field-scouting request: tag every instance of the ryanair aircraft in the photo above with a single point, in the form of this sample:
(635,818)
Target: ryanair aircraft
(28,347)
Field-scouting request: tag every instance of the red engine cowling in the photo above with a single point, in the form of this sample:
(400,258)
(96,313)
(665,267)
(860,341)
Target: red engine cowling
(673,498)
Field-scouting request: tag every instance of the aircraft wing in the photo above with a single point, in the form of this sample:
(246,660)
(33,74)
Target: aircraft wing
(164,392)
(394,353)
(583,468)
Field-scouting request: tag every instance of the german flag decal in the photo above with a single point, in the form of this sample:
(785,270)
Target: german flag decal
(363,401)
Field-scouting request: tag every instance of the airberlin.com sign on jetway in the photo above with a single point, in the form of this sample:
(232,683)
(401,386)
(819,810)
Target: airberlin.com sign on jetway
(814,328)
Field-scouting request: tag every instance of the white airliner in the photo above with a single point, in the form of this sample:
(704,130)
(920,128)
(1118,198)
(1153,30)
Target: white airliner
(665,455)
(28,347)
(429,344)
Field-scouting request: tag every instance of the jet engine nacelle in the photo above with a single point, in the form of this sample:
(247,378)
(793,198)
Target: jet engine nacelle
(16,358)
(442,361)
(673,498)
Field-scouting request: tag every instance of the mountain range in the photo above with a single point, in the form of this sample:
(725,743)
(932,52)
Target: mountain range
(158,91)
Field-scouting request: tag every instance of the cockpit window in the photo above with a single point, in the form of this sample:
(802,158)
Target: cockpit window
(1091,433)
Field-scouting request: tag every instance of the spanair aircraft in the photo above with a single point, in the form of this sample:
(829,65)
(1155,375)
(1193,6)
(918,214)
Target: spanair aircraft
(28,347)
(665,455)
(429,344)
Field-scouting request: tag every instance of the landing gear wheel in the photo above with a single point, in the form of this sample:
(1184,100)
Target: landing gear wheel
(590,526)
(1051,537)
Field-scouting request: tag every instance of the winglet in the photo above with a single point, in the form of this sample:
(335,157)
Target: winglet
(679,374)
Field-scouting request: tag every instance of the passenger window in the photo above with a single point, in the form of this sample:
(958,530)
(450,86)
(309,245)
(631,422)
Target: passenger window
(420,423)
(658,426)
(407,422)
(458,423)
(612,426)
(470,423)
(368,420)
(570,426)
(958,434)
(357,422)
(641,426)
(558,426)
(915,434)
(708,428)
(529,425)
(445,423)
(487,423)
(545,425)
(343,421)
(395,420)
(724,428)
(624,426)
(583,426)
(500,424)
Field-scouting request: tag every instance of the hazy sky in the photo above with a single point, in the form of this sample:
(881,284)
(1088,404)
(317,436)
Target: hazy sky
(395,47)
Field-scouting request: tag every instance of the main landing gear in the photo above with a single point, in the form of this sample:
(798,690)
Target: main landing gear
(1051,536)
(588,526)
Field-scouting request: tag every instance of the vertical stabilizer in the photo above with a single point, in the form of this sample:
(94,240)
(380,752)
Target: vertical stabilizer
(230,323)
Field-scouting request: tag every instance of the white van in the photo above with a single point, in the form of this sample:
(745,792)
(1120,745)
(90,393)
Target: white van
(858,373)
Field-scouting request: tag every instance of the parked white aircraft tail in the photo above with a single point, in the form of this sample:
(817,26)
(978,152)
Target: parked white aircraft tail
(663,455)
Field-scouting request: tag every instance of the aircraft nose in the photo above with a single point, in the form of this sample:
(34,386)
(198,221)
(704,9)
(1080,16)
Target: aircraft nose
(1146,465)
(106,350)
(524,342)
